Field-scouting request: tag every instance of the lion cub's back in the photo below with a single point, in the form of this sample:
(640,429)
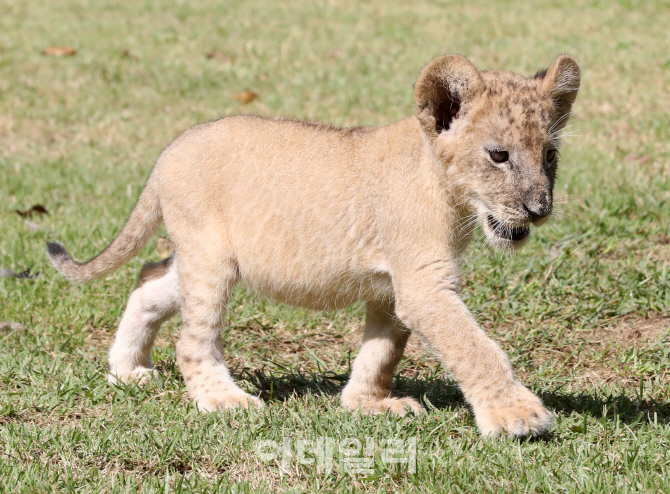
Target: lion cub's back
(286,198)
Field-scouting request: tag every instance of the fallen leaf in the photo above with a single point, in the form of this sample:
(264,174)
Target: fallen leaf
(217,55)
(128,55)
(23,275)
(37,208)
(335,54)
(33,227)
(59,51)
(632,158)
(8,326)
(246,97)
(164,247)
(555,251)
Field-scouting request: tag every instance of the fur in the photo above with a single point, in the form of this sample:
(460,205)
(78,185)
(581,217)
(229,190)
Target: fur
(321,217)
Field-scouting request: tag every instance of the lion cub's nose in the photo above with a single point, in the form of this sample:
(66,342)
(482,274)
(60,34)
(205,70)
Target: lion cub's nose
(539,208)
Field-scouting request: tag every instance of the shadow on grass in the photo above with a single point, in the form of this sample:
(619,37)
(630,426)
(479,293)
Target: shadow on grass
(286,385)
(439,393)
(443,394)
(630,411)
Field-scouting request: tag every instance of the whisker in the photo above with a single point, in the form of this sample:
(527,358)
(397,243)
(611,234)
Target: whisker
(557,132)
(467,225)
(477,251)
(564,117)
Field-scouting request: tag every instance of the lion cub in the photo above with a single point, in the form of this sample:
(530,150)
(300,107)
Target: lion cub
(322,217)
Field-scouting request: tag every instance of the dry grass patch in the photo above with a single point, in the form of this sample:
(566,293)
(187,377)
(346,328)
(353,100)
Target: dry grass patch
(628,331)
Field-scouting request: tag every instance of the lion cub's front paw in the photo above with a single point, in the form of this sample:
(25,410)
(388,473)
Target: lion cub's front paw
(521,414)
(398,406)
(140,375)
(210,400)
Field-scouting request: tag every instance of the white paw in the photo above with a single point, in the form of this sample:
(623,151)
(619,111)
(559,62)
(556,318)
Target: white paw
(520,414)
(216,399)
(398,406)
(139,374)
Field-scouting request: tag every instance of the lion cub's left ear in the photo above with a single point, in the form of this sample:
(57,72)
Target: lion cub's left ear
(561,82)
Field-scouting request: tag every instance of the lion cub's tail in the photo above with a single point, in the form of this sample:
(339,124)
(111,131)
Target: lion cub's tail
(142,224)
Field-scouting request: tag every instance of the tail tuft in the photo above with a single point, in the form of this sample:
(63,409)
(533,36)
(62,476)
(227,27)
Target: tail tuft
(63,263)
(57,252)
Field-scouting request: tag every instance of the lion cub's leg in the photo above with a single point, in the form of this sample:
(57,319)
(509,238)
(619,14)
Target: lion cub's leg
(501,404)
(205,285)
(369,388)
(154,300)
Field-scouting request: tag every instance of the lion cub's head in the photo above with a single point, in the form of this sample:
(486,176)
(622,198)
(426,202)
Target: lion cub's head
(496,135)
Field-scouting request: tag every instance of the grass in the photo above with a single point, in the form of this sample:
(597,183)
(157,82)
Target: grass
(582,311)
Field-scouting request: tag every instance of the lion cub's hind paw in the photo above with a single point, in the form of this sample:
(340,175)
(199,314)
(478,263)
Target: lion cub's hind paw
(217,400)
(398,406)
(522,421)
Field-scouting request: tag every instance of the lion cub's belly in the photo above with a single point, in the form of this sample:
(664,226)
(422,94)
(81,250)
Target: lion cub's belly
(312,274)
(318,290)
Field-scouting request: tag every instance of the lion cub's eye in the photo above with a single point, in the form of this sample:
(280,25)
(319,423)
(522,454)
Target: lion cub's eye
(499,156)
(551,155)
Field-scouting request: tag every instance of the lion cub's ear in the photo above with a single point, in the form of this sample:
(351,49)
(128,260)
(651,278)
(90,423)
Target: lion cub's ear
(561,82)
(443,88)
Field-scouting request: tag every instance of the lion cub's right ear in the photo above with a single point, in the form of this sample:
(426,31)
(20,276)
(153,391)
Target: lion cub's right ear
(561,80)
(442,90)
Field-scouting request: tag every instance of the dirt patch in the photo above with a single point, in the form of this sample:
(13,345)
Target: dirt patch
(661,251)
(600,362)
(98,338)
(631,330)
(593,356)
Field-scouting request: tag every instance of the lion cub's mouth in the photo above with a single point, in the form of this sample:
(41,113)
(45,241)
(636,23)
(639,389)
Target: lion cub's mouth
(503,231)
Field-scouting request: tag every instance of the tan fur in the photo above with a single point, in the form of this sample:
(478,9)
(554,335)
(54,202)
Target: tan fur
(321,217)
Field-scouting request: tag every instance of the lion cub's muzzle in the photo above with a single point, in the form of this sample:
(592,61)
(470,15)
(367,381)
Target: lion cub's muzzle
(505,232)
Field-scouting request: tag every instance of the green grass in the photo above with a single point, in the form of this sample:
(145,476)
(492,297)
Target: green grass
(582,311)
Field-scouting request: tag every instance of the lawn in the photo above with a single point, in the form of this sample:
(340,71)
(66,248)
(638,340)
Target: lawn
(583,310)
